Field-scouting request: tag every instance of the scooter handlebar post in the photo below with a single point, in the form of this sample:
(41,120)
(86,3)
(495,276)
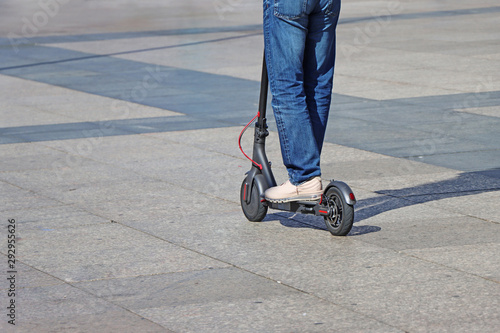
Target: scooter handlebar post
(264,86)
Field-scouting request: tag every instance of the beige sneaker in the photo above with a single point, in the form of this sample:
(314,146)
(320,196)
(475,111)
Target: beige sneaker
(286,192)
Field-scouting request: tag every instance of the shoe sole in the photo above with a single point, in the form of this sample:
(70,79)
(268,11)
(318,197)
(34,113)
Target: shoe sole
(312,197)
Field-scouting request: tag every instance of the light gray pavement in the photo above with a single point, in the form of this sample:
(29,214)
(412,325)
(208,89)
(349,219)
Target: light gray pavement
(119,163)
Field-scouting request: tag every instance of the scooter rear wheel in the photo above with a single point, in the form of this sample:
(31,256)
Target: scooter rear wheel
(255,210)
(341,217)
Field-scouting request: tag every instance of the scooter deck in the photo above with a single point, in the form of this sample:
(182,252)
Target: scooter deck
(304,207)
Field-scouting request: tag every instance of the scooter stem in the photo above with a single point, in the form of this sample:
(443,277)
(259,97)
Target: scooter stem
(264,86)
(261,132)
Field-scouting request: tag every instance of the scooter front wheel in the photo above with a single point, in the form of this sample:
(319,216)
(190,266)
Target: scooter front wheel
(339,221)
(254,210)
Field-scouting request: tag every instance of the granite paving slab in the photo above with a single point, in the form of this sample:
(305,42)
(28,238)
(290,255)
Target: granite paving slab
(119,162)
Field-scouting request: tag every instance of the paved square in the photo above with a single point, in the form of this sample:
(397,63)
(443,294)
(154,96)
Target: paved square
(120,172)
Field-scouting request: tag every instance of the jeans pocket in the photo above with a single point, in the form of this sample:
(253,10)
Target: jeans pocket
(290,9)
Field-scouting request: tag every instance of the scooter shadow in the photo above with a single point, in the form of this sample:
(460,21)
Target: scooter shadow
(292,220)
(467,183)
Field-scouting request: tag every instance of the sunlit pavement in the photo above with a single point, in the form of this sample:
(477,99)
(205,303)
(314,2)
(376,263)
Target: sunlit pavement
(120,172)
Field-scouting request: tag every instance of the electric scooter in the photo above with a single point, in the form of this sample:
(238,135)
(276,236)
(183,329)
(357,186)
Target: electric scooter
(336,204)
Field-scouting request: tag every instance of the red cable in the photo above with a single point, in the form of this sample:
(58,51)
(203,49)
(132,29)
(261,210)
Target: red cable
(239,141)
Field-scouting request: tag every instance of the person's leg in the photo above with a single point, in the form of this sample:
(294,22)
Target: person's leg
(285,34)
(319,61)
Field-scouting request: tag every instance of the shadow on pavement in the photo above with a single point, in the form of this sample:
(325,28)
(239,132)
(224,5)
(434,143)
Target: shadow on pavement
(467,183)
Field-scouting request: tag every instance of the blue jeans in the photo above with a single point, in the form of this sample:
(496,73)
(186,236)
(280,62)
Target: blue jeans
(299,38)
